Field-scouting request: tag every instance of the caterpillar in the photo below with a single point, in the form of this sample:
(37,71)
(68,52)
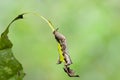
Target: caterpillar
(64,55)
(63,45)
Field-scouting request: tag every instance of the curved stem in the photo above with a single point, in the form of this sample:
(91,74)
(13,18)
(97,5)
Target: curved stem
(21,17)
(48,22)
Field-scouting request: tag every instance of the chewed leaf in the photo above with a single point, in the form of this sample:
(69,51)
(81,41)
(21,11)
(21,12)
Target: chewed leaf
(9,65)
(4,34)
(4,41)
(61,57)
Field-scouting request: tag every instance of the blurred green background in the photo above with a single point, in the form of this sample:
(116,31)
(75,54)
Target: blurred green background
(92,29)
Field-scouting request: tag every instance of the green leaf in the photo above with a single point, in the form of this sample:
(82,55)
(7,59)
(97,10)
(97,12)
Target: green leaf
(10,67)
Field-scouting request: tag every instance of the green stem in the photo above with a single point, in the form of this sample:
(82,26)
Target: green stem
(48,22)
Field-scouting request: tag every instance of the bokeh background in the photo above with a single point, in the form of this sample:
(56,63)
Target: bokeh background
(92,29)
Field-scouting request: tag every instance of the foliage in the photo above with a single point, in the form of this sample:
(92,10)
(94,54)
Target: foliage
(10,67)
(92,29)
